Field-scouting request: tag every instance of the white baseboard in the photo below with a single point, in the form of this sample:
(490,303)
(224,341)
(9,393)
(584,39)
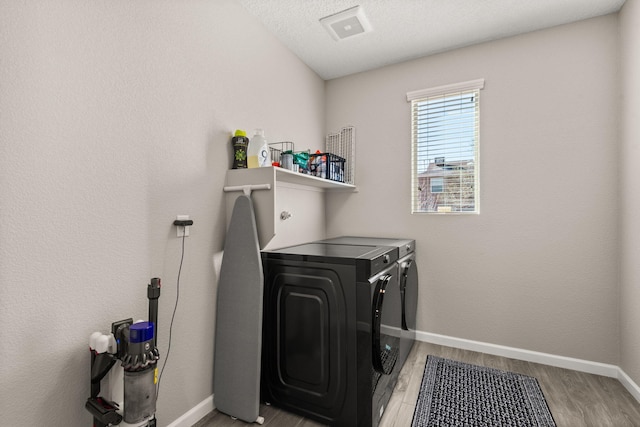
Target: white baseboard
(520,354)
(581,365)
(195,414)
(629,384)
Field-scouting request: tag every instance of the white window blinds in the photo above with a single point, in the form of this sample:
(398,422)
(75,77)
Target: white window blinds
(445,148)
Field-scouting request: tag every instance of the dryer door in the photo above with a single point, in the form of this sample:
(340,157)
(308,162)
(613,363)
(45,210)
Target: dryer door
(409,292)
(408,274)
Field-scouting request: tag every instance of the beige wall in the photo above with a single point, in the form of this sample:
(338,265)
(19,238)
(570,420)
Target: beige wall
(115,116)
(630,189)
(537,269)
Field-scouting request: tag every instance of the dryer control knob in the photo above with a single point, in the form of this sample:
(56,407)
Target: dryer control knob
(408,247)
(385,259)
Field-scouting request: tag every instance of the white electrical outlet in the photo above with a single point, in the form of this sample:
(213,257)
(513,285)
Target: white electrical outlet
(182,231)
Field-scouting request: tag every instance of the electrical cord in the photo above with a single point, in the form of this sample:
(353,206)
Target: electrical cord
(173,316)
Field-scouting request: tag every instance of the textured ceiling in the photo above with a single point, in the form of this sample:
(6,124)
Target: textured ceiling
(408,29)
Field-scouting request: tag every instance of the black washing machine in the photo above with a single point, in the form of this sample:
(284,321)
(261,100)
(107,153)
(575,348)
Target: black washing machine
(331,322)
(407,282)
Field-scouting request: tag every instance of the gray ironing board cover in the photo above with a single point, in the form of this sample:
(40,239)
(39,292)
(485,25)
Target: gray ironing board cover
(238,339)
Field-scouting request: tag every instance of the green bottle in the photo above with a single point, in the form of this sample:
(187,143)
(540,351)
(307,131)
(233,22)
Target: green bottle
(240,142)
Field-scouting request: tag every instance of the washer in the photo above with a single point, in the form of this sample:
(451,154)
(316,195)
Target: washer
(408,283)
(331,345)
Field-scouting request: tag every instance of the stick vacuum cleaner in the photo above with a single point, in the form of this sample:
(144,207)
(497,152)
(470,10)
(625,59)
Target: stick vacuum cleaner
(131,393)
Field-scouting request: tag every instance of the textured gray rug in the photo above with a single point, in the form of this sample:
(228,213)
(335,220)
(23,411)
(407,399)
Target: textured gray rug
(459,394)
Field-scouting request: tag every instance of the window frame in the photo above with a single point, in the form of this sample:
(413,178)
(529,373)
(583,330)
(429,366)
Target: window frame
(415,98)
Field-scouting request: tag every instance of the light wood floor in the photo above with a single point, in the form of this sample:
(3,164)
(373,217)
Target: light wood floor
(575,398)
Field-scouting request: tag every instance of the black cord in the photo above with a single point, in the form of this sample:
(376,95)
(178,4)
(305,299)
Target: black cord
(184,234)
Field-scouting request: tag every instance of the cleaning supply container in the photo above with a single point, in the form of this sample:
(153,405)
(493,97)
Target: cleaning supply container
(258,151)
(240,144)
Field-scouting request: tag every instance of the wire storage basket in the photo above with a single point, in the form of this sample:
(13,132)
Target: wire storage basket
(327,166)
(277,148)
(343,144)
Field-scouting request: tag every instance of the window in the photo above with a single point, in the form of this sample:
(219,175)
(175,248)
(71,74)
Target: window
(436,183)
(444,139)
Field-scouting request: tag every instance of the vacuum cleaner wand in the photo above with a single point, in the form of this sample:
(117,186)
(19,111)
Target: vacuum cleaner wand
(153,293)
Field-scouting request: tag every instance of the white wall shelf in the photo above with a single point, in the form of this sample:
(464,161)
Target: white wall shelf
(285,175)
(299,196)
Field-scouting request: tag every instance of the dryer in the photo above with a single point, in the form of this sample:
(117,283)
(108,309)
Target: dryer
(331,351)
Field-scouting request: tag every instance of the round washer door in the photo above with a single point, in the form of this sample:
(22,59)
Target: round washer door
(385,347)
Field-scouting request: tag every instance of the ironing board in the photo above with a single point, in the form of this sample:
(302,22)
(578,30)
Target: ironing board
(238,339)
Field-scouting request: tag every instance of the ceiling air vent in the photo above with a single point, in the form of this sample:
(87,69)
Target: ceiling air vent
(347,23)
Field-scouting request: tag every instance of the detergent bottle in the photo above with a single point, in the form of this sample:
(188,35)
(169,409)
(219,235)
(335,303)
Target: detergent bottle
(240,143)
(259,155)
